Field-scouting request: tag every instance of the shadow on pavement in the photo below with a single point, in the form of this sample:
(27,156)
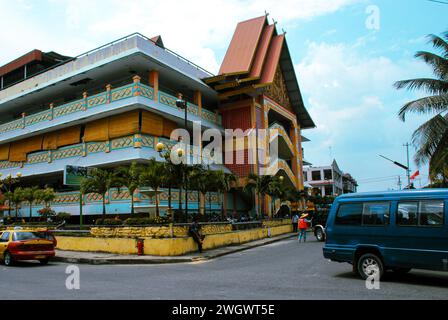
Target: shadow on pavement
(417,277)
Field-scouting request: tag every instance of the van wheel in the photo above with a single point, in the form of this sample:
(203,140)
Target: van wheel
(7,259)
(320,235)
(369,264)
(44,261)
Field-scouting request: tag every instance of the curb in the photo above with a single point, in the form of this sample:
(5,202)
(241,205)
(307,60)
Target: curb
(206,257)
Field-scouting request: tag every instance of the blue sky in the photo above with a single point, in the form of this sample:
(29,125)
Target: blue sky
(345,70)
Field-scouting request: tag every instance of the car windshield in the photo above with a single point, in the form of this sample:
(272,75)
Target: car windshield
(28,235)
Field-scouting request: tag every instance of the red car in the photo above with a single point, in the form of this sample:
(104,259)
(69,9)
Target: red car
(20,244)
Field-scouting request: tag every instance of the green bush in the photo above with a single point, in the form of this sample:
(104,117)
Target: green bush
(61,216)
(146,221)
(108,222)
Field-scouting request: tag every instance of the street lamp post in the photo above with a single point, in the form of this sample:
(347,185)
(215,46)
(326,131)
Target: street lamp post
(182,104)
(401,166)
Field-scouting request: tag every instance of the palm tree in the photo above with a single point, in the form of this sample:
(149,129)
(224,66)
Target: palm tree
(16,198)
(129,177)
(100,182)
(195,177)
(46,195)
(431,138)
(153,175)
(30,194)
(260,186)
(225,182)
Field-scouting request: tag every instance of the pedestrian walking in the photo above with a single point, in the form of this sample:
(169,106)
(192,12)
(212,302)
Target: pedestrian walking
(195,233)
(295,221)
(303,226)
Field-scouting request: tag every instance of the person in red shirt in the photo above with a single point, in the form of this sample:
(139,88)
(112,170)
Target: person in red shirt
(303,226)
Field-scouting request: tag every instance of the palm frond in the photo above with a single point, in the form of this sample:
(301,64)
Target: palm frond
(428,105)
(428,137)
(439,64)
(439,43)
(433,86)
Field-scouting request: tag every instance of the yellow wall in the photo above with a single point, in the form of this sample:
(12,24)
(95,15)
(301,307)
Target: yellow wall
(167,246)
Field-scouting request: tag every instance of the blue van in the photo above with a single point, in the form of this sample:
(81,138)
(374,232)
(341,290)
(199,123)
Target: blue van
(397,230)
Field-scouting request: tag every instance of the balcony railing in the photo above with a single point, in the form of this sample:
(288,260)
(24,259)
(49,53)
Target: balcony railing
(85,149)
(279,130)
(103,98)
(281,164)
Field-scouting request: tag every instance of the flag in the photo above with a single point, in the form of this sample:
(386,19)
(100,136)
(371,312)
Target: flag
(415,174)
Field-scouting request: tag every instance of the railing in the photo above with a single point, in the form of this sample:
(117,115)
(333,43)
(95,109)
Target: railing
(281,164)
(84,149)
(87,103)
(282,132)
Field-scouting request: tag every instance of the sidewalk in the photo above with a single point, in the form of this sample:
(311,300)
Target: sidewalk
(110,258)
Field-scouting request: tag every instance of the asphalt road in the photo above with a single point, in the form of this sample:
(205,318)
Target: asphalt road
(283,270)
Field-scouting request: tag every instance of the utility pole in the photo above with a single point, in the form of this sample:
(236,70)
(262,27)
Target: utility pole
(408,170)
(399,183)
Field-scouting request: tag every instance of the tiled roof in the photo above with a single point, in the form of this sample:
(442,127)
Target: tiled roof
(255,54)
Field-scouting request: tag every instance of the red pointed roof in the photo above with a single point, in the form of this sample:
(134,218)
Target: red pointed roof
(241,51)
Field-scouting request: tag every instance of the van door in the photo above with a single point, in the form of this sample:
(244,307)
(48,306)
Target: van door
(4,240)
(421,234)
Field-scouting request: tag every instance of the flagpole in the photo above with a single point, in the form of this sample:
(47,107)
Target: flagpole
(408,170)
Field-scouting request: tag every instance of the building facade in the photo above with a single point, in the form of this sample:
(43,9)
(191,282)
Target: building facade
(325,180)
(113,105)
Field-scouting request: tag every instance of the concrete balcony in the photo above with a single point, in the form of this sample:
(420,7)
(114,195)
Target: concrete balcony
(109,102)
(281,165)
(122,150)
(285,145)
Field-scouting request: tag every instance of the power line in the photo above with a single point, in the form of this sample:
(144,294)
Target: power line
(438,1)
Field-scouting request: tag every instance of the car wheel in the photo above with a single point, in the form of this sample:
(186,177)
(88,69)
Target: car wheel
(369,264)
(7,259)
(44,261)
(320,235)
(401,270)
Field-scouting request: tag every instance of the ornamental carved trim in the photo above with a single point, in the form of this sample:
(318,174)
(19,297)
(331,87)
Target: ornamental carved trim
(278,91)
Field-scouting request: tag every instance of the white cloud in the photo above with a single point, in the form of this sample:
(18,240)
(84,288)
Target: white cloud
(196,29)
(350,95)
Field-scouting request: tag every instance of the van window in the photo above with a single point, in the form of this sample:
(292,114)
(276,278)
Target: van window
(349,214)
(422,213)
(407,214)
(375,213)
(431,213)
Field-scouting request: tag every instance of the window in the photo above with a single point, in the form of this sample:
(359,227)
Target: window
(315,175)
(375,213)
(431,213)
(305,176)
(407,214)
(422,213)
(328,175)
(5,237)
(349,214)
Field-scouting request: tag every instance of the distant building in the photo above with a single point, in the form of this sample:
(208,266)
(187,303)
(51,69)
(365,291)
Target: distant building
(329,180)
(350,185)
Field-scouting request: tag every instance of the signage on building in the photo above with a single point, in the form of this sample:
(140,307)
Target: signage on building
(74,174)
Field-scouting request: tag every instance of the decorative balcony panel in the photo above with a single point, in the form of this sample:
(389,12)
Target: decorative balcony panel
(121,93)
(38,117)
(120,143)
(146,91)
(11,126)
(67,152)
(95,147)
(97,100)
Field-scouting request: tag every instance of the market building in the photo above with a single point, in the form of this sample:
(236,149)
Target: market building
(112,106)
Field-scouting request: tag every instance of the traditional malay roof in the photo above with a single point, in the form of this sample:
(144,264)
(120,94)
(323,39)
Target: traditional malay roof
(257,60)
